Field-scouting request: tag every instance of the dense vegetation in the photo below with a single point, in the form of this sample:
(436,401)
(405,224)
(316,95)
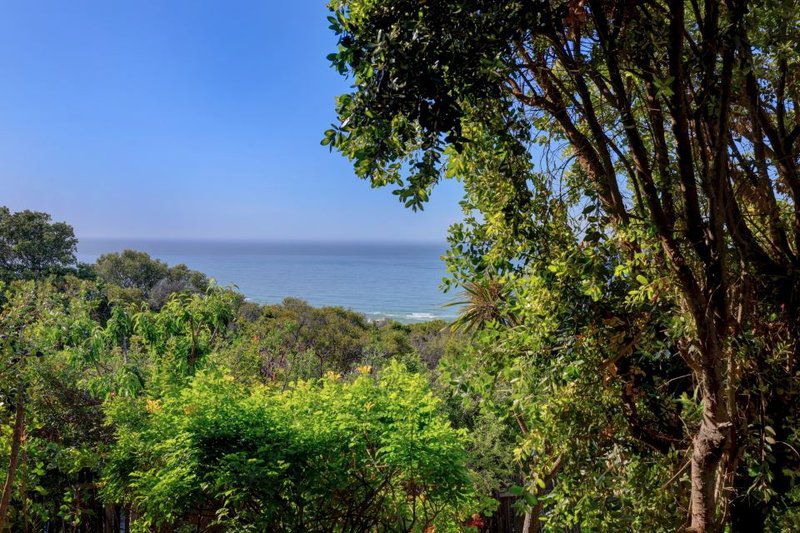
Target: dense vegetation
(198,410)
(627,353)
(632,229)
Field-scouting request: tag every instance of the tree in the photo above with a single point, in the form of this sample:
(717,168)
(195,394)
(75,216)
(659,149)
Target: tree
(131,269)
(664,133)
(53,429)
(55,421)
(179,278)
(31,245)
(143,277)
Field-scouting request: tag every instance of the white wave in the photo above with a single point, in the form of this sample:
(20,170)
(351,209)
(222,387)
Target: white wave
(406,317)
(421,316)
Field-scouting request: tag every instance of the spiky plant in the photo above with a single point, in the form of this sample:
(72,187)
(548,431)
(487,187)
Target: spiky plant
(483,301)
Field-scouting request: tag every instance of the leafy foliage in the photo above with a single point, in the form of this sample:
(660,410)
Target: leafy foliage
(631,177)
(31,245)
(132,414)
(135,276)
(361,454)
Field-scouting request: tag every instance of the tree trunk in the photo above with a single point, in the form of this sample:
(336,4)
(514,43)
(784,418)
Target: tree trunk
(706,457)
(16,442)
(714,447)
(526,525)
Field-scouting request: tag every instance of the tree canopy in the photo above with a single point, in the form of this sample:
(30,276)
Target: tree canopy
(139,275)
(31,245)
(637,159)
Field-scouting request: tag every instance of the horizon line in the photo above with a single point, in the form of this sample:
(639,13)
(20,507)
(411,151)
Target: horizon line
(268,240)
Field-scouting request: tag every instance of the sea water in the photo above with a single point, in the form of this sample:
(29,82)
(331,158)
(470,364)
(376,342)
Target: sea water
(381,280)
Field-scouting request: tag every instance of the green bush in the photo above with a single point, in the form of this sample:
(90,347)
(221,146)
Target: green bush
(374,452)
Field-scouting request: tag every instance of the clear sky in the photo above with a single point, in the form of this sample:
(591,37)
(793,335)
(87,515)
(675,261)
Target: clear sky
(185,119)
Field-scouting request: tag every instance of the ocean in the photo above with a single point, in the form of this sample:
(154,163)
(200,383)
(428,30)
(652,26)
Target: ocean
(397,281)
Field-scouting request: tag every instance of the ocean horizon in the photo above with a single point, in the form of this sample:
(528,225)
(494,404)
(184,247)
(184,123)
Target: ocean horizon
(398,280)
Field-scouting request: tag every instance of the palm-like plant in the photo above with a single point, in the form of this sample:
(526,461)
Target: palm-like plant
(484,301)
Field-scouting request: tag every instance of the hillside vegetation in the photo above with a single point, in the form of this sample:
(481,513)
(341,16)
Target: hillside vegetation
(196,409)
(627,355)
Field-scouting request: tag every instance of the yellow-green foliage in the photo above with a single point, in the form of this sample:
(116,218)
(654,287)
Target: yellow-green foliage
(371,452)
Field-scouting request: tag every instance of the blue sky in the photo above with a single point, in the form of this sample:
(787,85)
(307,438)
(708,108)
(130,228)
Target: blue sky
(185,119)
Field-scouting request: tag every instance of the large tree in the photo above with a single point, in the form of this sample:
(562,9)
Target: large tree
(131,269)
(665,129)
(141,276)
(32,245)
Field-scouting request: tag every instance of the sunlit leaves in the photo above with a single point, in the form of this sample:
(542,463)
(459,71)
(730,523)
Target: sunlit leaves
(259,456)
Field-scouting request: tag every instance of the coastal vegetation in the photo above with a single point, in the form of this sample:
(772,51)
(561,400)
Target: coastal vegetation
(632,216)
(201,410)
(626,355)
